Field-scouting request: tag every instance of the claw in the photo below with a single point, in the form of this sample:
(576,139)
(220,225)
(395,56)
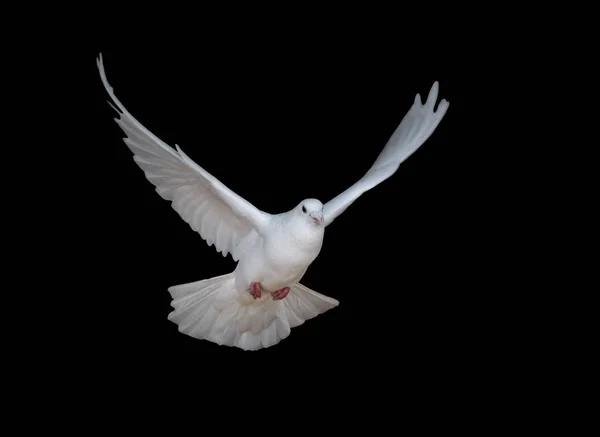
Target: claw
(280,294)
(255,290)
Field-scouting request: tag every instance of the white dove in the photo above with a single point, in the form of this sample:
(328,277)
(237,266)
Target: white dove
(257,304)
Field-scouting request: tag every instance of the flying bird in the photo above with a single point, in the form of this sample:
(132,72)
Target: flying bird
(256,305)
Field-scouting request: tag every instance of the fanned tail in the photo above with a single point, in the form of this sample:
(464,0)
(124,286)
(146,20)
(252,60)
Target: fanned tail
(213,310)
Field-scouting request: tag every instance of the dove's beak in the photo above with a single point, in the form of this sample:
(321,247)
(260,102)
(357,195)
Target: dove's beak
(316,217)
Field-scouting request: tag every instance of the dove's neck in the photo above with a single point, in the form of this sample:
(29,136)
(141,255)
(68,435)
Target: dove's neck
(304,235)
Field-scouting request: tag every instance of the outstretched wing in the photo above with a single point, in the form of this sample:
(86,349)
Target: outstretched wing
(414,129)
(219,215)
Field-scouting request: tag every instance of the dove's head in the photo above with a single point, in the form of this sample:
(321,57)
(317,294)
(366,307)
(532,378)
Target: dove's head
(312,209)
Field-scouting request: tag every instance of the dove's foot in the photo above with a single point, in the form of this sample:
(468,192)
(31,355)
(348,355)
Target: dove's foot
(280,294)
(255,290)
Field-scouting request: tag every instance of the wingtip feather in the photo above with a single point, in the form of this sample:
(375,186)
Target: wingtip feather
(433,95)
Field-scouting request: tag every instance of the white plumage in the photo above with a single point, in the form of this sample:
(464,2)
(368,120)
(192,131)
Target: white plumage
(273,250)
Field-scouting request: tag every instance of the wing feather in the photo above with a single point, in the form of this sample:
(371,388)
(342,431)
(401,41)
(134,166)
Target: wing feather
(414,129)
(219,215)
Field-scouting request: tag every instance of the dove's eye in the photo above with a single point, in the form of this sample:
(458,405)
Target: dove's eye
(303,209)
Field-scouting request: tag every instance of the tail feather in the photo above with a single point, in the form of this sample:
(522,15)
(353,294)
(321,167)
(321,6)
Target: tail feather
(212,309)
(302,304)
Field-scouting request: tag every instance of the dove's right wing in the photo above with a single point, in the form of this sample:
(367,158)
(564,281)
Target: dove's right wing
(414,129)
(219,215)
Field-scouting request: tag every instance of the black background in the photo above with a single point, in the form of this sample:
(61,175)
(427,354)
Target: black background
(279,119)
(281,105)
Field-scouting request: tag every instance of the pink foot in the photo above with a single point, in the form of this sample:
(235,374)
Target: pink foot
(280,294)
(255,290)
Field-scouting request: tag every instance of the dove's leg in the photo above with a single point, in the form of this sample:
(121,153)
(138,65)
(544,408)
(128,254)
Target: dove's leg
(255,290)
(280,294)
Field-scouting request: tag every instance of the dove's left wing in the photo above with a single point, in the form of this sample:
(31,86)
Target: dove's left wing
(218,214)
(414,129)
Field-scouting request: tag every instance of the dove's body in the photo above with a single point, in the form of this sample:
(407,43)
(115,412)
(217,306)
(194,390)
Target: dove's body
(283,257)
(273,250)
